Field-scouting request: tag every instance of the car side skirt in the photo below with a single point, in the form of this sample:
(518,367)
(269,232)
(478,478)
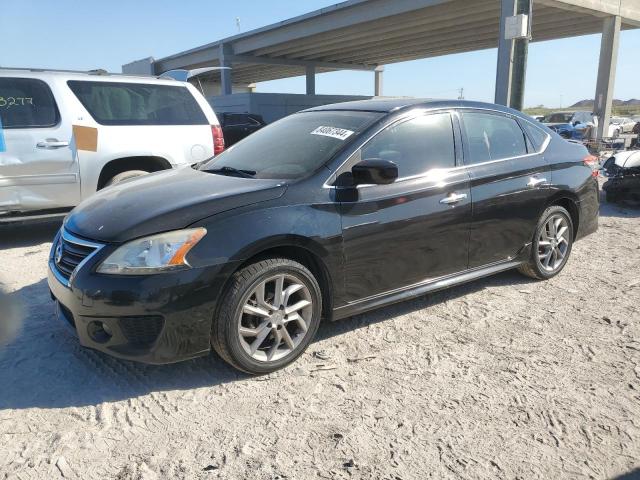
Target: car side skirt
(427,286)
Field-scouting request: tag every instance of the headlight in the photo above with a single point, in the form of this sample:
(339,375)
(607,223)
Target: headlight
(154,254)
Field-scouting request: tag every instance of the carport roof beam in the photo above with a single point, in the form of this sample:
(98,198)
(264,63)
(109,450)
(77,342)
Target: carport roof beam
(361,34)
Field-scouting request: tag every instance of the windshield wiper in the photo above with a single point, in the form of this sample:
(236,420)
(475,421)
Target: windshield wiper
(234,171)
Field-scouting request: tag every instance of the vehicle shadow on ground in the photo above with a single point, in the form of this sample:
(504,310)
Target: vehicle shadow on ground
(27,235)
(331,329)
(623,209)
(632,475)
(45,367)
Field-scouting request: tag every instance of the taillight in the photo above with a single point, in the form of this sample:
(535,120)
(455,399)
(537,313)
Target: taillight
(218,139)
(591,161)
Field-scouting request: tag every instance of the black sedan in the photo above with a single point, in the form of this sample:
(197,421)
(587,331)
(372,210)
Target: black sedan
(324,214)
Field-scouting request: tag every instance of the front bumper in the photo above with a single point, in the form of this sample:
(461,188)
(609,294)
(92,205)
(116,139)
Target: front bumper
(157,319)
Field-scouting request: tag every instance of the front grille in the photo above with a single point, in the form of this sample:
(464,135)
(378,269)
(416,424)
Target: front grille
(69,252)
(141,331)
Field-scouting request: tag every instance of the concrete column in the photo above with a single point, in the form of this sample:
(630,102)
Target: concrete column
(519,63)
(505,53)
(378,73)
(311,79)
(226,76)
(512,57)
(607,73)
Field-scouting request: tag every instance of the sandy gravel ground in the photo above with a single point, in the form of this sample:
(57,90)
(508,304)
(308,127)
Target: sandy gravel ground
(502,378)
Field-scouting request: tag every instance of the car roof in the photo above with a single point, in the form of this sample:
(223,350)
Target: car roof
(97,75)
(389,105)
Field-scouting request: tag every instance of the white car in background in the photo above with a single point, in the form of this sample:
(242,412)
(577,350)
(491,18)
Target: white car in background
(65,135)
(623,123)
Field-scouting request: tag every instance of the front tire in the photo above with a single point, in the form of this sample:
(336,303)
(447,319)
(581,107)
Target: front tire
(551,246)
(269,314)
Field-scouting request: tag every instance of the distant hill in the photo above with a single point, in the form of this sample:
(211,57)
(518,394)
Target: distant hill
(634,102)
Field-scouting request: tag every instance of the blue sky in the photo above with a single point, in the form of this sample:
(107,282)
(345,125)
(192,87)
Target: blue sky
(71,34)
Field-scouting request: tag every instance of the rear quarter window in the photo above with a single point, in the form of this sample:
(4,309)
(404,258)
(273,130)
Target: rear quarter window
(122,103)
(536,135)
(27,103)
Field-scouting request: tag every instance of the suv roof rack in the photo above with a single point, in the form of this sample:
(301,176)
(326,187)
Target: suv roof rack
(96,71)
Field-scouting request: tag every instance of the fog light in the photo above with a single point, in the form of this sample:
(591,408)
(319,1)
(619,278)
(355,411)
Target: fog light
(99,331)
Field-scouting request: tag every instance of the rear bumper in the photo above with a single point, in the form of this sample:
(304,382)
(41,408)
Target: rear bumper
(588,210)
(155,319)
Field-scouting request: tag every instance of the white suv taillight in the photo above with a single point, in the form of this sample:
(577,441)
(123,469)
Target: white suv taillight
(218,139)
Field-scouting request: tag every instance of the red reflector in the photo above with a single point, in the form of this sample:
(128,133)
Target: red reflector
(218,139)
(591,161)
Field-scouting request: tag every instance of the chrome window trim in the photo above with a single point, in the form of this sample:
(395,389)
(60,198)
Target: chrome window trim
(452,111)
(70,238)
(403,118)
(515,118)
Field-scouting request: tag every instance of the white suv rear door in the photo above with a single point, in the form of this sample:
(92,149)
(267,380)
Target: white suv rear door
(141,119)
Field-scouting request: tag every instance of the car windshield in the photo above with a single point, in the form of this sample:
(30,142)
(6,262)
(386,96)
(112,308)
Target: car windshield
(558,118)
(293,147)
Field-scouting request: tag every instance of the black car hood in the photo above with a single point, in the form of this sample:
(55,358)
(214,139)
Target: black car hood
(164,201)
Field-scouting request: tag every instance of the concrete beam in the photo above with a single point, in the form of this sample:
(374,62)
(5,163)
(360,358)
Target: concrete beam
(607,73)
(310,72)
(300,63)
(226,76)
(378,72)
(345,14)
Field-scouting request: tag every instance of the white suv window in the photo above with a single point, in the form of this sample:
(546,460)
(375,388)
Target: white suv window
(122,103)
(27,103)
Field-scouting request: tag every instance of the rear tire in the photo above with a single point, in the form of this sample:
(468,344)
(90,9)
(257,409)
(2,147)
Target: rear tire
(259,330)
(551,245)
(121,177)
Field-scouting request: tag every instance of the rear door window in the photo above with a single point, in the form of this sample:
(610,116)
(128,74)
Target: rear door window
(27,103)
(121,103)
(492,137)
(416,146)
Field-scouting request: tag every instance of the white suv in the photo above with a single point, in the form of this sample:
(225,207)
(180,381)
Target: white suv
(65,135)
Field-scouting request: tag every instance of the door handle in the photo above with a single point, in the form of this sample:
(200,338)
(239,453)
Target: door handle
(535,181)
(453,198)
(51,143)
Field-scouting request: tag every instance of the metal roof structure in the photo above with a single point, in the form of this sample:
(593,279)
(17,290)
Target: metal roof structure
(362,34)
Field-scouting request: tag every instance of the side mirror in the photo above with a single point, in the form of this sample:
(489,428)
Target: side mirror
(374,171)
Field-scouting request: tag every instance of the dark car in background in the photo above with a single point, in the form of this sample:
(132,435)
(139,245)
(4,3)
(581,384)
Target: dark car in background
(623,173)
(236,126)
(570,125)
(324,214)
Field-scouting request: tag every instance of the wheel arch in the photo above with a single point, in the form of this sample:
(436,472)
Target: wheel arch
(123,164)
(300,249)
(569,202)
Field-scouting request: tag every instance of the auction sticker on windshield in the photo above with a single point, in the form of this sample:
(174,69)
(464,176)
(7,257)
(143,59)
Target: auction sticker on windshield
(334,132)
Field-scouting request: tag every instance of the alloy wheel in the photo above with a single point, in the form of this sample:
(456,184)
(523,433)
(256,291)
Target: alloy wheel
(274,318)
(553,243)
